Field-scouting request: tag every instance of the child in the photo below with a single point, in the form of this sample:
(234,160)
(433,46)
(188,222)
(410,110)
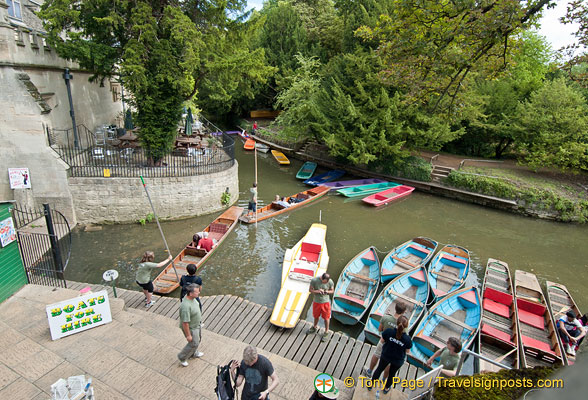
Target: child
(189,279)
(449,357)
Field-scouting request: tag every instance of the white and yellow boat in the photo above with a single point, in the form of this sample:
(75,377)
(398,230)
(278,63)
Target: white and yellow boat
(307,259)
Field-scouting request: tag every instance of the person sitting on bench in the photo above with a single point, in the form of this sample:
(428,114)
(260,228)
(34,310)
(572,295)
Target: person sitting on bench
(206,243)
(282,202)
(571,331)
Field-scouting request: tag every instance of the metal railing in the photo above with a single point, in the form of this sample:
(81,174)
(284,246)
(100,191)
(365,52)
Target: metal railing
(462,163)
(466,352)
(103,157)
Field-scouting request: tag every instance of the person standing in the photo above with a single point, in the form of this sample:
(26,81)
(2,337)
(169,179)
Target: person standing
(254,370)
(396,345)
(321,287)
(190,319)
(186,280)
(255,127)
(143,276)
(253,198)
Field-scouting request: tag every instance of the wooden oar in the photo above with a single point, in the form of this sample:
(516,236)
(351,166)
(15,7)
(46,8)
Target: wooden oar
(159,226)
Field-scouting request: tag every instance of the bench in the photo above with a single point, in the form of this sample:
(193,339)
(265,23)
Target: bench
(537,344)
(310,252)
(362,277)
(498,296)
(303,271)
(531,313)
(403,297)
(351,299)
(419,248)
(418,278)
(368,258)
(468,299)
(405,262)
(446,276)
(454,321)
(496,308)
(497,334)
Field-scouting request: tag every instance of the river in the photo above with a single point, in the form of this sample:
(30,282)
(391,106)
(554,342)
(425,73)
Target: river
(249,262)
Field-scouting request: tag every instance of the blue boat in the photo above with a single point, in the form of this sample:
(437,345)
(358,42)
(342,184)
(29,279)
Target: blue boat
(448,270)
(410,288)
(457,315)
(409,255)
(356,287)
(306,171)
(326,177)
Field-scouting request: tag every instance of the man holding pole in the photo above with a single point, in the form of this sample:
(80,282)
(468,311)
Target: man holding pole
(253,199)
(190,324)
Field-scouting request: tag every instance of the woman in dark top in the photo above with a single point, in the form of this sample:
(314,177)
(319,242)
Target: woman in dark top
(396,345)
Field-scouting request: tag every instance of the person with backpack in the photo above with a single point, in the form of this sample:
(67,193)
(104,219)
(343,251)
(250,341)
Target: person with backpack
(254,371)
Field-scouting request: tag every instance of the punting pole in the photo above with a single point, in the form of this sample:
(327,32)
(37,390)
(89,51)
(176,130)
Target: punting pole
(257,187)
(159,226)
(320,216)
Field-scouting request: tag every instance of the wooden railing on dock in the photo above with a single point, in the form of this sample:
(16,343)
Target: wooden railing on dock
(248,322)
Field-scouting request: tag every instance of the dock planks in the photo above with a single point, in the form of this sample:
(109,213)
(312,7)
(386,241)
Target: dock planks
(242,320)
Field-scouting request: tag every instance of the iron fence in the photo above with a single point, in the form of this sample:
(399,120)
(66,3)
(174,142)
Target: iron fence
(100,156)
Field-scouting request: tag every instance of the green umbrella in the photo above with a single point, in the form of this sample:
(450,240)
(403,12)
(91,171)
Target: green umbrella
(129,120)
(189,121)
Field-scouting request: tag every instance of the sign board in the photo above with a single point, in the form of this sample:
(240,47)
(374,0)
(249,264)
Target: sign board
(7,232)
(110,275)
(106,172)
(19,178)
(78,314)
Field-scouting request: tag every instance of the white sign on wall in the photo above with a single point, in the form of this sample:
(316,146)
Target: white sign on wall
(7,232)
(78,314)
(19,178)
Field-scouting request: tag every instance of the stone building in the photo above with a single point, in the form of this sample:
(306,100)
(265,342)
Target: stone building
(34,100)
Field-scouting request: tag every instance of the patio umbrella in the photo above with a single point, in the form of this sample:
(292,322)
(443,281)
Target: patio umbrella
(129,120)
(189,120)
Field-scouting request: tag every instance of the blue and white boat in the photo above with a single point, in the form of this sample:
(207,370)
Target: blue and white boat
(410,288)
(356,287)
(448,270)
(326,177)
(458,314)
(409,255)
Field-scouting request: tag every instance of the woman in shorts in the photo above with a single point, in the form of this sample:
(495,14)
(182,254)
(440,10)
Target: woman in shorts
(143,276)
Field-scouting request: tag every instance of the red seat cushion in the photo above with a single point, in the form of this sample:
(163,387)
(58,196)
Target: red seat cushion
(304,271)
(352,299)
(453,258)
(369,255)
(497,296)
(496,308)
(418,276)
(469,297)
(312,257)
(310,251)
(537,344)
(419,248)
(531,306)
(532,319)
(496,333)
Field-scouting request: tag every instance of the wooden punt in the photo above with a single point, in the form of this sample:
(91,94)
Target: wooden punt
(280,157)
(388,196)
(306,170)
(273,209)
(409,255)
(498,339)
(306,260)
(448,270)
(560,302)
(364,190)
(410,288)
(457,314)
(249,144)
(356,287)
(166,282)
(538,341)
(326,177)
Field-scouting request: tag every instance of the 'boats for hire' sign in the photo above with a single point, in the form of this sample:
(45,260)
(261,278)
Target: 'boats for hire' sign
(78,314)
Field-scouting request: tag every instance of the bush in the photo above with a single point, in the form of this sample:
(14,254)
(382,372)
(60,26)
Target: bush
(415,168)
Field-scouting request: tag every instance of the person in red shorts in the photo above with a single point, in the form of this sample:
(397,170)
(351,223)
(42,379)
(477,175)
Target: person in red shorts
(321,287)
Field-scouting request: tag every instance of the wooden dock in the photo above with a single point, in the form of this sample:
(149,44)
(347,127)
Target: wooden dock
(248,322)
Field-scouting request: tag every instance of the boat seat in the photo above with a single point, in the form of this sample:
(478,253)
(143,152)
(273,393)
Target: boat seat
(418,277)
(380,197)
(218,228)
(314,191)
(351,299)
(310,252)
(531,306)
(449,318)
(537,344)
(277,206)
(419,248)
(438,292)
(402,260)
(453,261)
(368,258)
(406,298)
(432,341)
(468,299)
(362,277)
(302,196)
(441,274)
(496,333)
(303,271)
(497,296)
(496,308)
(534,320)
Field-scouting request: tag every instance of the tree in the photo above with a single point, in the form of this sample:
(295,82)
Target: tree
(430,47)
(576,54)
(554,127)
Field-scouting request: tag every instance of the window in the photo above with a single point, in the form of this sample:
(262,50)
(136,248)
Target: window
(14,9)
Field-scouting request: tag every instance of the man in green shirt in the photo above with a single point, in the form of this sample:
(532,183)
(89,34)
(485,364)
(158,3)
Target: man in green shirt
(321,287)
(448,357)
(190,321)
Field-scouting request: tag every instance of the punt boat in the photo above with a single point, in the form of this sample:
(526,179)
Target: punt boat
(356,287)
(409,255)
(273,209)
(364,190)
(388,196)
(167,281)
(456,315)
(306,171)
(561,301)
(498,339)
(352,183)
(280,157)
(249,144)
(538,341)
(448,270)
(410,288)
(306,260)
(326,177)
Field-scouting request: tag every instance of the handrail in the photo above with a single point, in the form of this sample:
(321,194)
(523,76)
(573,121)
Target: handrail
(462,163)
(465,352)
(433,158)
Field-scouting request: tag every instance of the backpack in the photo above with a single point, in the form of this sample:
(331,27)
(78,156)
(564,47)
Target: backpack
(225,387)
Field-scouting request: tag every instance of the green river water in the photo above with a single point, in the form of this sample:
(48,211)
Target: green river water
(249,262)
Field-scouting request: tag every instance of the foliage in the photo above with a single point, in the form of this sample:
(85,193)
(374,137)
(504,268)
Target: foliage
(554,126)
(148,218)
(225,199)
(415,168)
(429,47)
(577,55)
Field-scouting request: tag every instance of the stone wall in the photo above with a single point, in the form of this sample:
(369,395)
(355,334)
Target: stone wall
(104,200)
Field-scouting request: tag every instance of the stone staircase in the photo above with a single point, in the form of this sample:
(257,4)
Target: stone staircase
(440,172)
